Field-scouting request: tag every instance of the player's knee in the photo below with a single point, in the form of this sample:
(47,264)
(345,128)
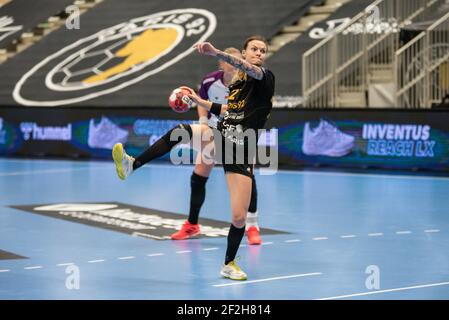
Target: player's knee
(203,169)
(238,223)
(179,133)
(239,217)
(186,128)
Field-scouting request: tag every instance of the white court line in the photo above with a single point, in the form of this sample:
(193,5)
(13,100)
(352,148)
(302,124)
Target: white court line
(403,232)
(320,238)
(64,264)
(43,161)
(293,240)
(210,249)
(432,231)
(378,234)
(155,254)
(184,251)
(336,174)
(95,261)
(243,245)
(388,290)
(267,279)
(4,270)
(266,243)
(361,175)
(18,173)
(34,267)
(126,258)
(348,236)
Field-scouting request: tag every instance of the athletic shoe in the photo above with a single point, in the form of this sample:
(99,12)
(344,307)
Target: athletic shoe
(253,235)
(123,162)
(105,134)
(188,230)
(326,140)
(232,271)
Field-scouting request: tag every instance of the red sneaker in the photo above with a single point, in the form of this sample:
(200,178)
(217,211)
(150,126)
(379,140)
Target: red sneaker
(253,235)
(187,231)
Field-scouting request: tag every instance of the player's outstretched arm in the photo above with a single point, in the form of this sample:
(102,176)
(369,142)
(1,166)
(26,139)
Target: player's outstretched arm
(251,70)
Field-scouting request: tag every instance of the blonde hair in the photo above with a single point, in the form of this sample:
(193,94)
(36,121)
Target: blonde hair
(231,50)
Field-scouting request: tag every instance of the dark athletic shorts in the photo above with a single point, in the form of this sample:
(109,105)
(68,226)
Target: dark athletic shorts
(237,161)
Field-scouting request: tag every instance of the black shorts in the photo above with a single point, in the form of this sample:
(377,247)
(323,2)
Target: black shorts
(243,169)
(234,158)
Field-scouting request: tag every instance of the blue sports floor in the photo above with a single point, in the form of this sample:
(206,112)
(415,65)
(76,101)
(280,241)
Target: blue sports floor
(350,236)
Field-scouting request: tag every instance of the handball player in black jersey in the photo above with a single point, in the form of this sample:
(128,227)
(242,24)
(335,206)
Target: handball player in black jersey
(235,140)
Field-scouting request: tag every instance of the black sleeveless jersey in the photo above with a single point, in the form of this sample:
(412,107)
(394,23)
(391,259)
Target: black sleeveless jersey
(249,105)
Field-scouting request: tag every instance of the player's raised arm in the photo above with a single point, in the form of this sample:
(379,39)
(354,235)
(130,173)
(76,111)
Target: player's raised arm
(251,67)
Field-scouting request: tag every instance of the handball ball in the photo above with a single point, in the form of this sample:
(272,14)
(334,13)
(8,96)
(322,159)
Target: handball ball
(179,101)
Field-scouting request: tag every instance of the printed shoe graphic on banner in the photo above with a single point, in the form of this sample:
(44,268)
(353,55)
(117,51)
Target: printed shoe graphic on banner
(326,140)
(2,132)
(105,134)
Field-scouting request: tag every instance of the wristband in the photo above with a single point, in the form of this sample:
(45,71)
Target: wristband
(215,109)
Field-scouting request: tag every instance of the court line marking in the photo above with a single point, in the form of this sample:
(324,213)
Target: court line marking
(45,171)
(33,267)
(183,251)
(337,174)
(361,175)
(65,264)
(95,261)
(216,248)
(5,270)
(320,238)
(267,279)
(306,172)
(126,258)
(385,291)
(47,161)
(377,234)
(267,243)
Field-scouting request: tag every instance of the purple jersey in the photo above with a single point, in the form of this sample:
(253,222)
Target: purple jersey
(213,89)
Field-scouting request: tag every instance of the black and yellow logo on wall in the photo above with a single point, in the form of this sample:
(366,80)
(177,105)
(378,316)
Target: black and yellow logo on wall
(115,58)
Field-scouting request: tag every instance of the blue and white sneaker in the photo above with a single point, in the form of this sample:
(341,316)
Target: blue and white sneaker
(326,140)
(123,162)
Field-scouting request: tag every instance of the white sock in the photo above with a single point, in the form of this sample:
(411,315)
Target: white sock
(252,220)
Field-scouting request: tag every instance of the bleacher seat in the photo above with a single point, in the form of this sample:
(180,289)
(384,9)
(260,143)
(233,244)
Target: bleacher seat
(236,20)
